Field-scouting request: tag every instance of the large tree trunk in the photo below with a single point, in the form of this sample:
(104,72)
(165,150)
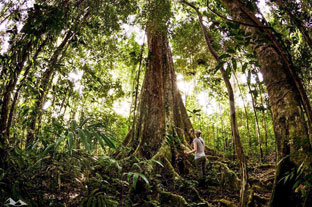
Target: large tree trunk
(290,128)
(161,111)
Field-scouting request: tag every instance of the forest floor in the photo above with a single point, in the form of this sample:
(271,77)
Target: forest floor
(218,189)
(60,179)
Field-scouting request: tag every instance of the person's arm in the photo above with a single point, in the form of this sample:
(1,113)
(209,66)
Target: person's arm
(194,150)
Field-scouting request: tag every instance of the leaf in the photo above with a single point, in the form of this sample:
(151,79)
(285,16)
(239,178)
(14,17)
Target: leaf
(234,63)
(94,202)
(196,110)
(144,178)
(281,160)
(108,141)
(104,201)
(296,184)
(244,67)
(285,179)
(135,179)
(58,142)
(73,124)
(84,140)
(157,162)
(220,65)
(291,176)
(35,145)
(228,70)
(84,122)
(25,111)
(94,191)
(70,142)
(137,165)
(128,174)
(230,50)
(47,149)
(100,139)
(224,56)
(300,168)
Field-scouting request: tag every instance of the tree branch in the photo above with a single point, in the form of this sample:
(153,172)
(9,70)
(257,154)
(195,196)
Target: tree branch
(234,21)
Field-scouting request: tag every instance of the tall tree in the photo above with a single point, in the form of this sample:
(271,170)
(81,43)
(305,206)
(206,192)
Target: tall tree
(245,109)
(253,101)
(285,94)
(160,105)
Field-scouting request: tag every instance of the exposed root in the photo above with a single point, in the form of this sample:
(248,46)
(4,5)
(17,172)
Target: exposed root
(225,202)
(256,198)
(168,199)
(200,198)
(229,179)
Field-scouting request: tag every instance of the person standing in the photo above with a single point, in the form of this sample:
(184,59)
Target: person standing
(200,157)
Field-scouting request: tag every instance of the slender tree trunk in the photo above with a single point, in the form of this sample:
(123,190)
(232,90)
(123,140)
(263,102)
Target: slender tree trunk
(245,110)
(222,131)
(236,140)
(264,117)
(44,87)
(256,120)
(10,87)
(290,128)
(46,78)
(5,109)
(21,84)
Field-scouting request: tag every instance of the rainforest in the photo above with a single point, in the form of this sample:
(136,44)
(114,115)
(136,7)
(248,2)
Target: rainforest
(156,103)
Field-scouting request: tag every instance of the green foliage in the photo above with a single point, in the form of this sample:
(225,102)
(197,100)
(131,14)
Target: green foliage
(31,173)
(97,69)
(172,138)
(108,163)
(100,199)
(300,178)
(135,176)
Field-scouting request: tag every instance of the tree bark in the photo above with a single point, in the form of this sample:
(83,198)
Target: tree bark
(161,114)
(284,92)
